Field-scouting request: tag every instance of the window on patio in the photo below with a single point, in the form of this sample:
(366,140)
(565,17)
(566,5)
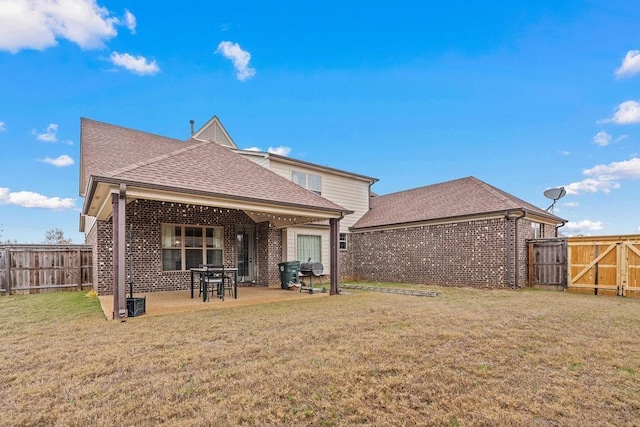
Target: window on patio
(190,246)
(309,248)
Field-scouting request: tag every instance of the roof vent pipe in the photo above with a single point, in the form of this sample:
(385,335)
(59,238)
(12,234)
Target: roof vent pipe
(192,122)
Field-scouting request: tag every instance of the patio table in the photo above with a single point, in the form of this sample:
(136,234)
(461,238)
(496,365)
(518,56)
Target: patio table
(204,271)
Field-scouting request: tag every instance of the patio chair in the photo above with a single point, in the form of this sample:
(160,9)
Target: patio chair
(214,280)
(229,285)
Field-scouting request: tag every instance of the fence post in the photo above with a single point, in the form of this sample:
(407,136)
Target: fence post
(530,265)
(79,260)
(8,270)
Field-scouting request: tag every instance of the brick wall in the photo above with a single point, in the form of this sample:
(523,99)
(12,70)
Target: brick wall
(268,254)
(345,263)
(147,216)
(91,238)
(466,253)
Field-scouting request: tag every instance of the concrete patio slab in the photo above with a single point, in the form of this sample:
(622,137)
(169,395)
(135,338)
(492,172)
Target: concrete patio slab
(158,303)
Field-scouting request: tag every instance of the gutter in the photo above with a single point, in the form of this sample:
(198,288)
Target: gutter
(517,249)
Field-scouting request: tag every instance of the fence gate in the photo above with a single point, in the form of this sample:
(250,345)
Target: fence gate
(605,265)
(547,262)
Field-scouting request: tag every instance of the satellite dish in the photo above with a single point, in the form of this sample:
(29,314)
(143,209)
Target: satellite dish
(554,194)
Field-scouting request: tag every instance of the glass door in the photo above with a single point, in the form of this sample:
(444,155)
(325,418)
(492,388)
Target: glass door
(245,252)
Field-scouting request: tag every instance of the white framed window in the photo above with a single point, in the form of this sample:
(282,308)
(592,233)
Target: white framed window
(309,248)
(536,230)
(342,241)
(188,246)
(307,180)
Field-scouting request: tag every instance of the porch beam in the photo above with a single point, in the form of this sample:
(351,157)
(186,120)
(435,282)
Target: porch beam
(296,214)
(333,248)
(118,202)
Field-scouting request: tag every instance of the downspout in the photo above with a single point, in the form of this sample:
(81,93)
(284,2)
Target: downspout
(507,220)
(517,249)
(334,270)
(559,226)
(369,201)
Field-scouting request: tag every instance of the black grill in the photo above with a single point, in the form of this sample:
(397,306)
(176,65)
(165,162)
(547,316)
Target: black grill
(311,268)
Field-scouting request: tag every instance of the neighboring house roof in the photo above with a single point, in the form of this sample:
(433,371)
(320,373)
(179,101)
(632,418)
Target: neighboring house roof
(459,198)
(114,154)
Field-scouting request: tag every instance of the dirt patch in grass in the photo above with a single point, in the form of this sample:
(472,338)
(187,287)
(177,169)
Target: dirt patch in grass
(470,357)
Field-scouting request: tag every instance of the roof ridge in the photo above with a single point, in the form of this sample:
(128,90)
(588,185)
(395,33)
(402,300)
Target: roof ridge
(155,159)
(514,199)
(425,186)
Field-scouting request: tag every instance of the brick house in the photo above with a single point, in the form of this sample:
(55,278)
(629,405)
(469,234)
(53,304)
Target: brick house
(186,203)
(461,232)
(203,200)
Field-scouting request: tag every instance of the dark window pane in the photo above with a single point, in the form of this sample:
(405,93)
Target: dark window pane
(193,258)
(171,260)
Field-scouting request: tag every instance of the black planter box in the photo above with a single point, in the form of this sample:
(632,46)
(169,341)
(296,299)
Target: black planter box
(136,306)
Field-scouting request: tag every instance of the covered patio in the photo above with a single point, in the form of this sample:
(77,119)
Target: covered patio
(175,302)
(152,219)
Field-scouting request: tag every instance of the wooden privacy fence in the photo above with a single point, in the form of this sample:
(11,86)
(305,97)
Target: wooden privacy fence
(547,261)
(608,265)
(600,265)
(28,269)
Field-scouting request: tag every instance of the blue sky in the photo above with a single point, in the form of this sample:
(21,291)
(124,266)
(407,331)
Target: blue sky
(525,95)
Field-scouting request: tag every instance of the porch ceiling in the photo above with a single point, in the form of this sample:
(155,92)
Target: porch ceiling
(98,204)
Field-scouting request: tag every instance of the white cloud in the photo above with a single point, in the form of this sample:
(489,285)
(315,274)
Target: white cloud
(602,138)
(638,229)
(282,150)
(630,64)
(29,199)
(239,57)
(620,138)
(130,21)
(136,64)
(571,205)
(3,126)
(39,24)
(603,178)
(49,135)
(591,185)
(627,169)
(564,153)
(582,227)
(627,113)
(60,161)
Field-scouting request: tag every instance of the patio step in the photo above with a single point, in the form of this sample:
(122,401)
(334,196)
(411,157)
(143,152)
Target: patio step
(412,292)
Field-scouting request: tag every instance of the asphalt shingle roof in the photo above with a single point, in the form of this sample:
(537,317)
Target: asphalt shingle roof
(461,197)
(193,166)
